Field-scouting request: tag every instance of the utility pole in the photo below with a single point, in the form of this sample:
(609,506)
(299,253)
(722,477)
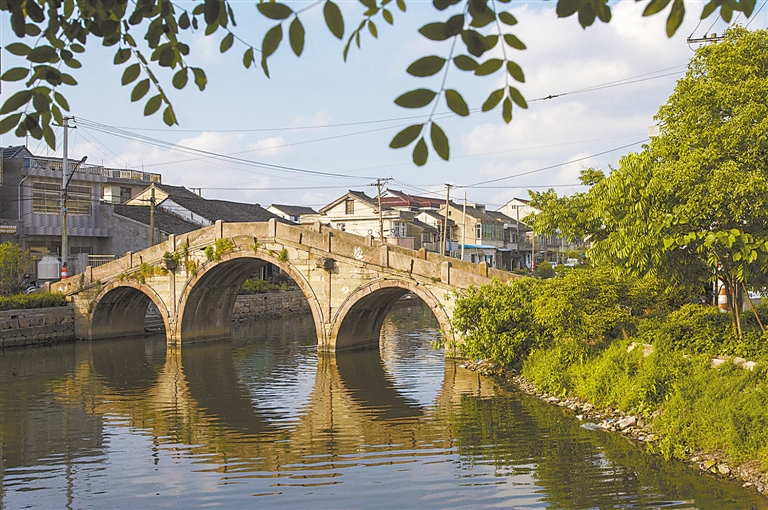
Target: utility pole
(464,226)
(64,180)
(445,221)
(378,184)
(152,216)
(66,176)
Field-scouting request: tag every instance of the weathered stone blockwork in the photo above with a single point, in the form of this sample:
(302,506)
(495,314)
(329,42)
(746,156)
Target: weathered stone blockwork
(273,304)
(36,326)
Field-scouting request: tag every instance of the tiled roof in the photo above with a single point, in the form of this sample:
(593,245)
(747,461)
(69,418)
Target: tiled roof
(357,194)
(13,151)
(294,210)
(423,226)
(214,210)
(400,199)
(165,221)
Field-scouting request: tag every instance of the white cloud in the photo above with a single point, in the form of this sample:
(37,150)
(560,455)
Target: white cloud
(268,146)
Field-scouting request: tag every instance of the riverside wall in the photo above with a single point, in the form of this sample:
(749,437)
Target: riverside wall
(36,326)
(40,326)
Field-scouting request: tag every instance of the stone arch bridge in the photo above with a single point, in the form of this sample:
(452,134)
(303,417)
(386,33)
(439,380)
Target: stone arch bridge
(351,283)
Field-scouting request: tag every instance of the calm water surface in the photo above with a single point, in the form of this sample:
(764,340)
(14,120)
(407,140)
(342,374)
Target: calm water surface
(263,421)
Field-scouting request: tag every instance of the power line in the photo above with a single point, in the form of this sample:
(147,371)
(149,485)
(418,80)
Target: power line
(755,15)
(482,183)
(180,148)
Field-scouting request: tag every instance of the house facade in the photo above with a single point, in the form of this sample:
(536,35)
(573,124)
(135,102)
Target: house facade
(488,236)
(358,213)
(31,197)
(553,248)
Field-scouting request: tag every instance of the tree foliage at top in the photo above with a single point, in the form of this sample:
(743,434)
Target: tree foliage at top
(60,29)
(693,205)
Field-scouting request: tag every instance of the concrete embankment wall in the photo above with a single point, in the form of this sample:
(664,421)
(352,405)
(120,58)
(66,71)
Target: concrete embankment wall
(47,325)
(36,326)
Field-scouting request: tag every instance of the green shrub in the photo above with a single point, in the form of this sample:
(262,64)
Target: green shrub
(582,305)
(545,270)
(495,321)
(36,300)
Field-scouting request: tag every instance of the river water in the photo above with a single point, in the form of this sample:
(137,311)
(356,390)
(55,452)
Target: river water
(263,421)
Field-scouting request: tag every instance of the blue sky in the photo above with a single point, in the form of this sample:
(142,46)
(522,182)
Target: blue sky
(318,113)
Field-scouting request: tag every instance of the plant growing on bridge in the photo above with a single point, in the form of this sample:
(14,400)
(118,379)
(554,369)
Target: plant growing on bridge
(191,266)
(221,247)
(283,255)
(145,271)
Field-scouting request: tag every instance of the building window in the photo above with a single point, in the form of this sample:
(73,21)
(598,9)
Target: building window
(46,198)
(479,230)
(349,206)
(125,194)
(79,200)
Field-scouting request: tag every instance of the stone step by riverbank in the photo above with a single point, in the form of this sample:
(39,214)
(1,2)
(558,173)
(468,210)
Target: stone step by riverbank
(635,427)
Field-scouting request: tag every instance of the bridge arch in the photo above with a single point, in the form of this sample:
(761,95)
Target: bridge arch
(207,300)
(357,323)
(118,310)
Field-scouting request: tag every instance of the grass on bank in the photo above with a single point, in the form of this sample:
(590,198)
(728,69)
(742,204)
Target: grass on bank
(570,335)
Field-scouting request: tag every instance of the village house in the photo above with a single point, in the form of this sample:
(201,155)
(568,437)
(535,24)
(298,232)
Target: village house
(358,213)
(31,201)
(488,236)
(553,248)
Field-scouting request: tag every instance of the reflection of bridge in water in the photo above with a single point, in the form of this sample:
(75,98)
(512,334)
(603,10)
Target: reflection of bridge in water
(195,398)
(350,283)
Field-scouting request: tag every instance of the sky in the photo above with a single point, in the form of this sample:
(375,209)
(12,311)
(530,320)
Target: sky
(318,113)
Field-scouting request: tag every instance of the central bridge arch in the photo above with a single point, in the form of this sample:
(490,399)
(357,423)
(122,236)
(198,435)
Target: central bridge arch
(357,323)
(207,300)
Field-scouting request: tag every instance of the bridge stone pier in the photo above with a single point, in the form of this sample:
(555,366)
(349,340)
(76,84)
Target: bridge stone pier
(350,283)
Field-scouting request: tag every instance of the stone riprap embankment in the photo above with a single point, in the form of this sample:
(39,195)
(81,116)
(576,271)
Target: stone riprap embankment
(36,326)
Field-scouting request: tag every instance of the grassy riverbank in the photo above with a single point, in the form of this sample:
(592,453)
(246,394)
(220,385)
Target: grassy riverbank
(632,345)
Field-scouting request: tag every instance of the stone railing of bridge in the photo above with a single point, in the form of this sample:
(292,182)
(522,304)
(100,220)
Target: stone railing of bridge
(350,282)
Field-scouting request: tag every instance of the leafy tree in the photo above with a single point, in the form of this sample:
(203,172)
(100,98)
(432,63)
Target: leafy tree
(60,30)
(691,207)
(14,263)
